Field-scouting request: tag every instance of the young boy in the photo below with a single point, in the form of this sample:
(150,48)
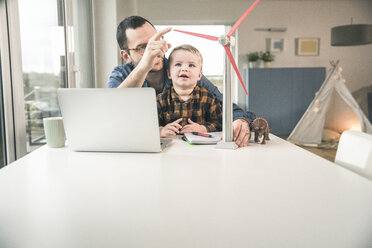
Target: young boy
(185,107)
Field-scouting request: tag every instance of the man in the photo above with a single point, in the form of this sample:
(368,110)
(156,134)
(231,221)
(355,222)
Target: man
(143,48)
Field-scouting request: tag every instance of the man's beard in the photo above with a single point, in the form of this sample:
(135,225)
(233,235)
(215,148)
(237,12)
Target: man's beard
(154,71)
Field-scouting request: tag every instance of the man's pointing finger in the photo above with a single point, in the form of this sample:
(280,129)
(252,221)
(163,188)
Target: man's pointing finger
(160,34)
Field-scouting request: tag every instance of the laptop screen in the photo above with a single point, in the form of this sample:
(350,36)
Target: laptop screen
(110,120)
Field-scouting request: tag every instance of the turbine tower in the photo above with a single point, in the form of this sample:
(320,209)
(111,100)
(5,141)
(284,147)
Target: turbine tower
(225,41)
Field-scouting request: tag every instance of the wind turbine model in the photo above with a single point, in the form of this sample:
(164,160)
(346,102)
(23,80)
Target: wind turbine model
(224,40)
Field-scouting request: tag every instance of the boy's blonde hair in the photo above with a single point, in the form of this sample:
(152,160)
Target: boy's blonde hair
(187,48)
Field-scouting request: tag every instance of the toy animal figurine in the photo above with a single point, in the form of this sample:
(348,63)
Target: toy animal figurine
(261,128)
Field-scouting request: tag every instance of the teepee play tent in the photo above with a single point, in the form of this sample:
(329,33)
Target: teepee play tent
(332,111)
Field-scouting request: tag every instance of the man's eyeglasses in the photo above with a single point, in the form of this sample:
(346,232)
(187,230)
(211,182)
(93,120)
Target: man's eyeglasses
(140,49)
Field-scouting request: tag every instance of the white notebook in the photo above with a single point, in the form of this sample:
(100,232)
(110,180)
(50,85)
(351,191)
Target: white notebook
(200,140)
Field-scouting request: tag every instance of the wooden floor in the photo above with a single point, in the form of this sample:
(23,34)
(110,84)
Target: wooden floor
(326,153)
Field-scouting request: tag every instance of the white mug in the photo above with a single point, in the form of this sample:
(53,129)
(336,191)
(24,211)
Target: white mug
(54,132)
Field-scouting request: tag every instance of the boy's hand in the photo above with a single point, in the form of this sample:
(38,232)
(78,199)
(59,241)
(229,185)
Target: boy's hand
(170,129)
(193,127)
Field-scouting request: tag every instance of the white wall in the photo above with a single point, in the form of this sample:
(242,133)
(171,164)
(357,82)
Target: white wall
(301,18)
(312,19)
(105,48)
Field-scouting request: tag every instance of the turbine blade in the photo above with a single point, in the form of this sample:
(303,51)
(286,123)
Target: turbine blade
(208,37)
(231,58)
(236,25)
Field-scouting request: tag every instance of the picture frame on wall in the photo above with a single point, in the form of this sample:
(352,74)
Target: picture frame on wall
(307,46)
(274,45)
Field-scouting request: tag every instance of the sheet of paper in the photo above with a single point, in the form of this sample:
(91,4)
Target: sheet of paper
(200,140)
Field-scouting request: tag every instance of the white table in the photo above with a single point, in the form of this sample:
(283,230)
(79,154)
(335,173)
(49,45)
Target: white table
(275,195)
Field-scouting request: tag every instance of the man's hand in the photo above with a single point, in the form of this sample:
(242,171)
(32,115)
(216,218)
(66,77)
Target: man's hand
(170,129)
(154,53)
(193,127)
(241,132)
(155,50)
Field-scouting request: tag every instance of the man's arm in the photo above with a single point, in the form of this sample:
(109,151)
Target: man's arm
(119,74)
(135,79)
(238,113)
(242,123)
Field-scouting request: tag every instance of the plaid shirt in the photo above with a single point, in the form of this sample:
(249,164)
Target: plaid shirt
(202,107)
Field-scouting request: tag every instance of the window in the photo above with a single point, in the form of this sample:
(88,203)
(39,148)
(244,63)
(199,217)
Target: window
(2,125)
(43,62)
(12,118)
(33,37)
(45,28)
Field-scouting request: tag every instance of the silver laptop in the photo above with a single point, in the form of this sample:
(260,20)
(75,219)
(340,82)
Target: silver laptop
(111,120)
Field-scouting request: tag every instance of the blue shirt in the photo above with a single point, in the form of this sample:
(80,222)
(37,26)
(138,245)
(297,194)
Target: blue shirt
(120,73)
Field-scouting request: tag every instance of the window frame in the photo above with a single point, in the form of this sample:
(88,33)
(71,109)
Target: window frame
(12,81)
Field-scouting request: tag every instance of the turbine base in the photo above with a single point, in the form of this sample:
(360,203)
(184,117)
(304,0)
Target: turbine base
(226,145)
